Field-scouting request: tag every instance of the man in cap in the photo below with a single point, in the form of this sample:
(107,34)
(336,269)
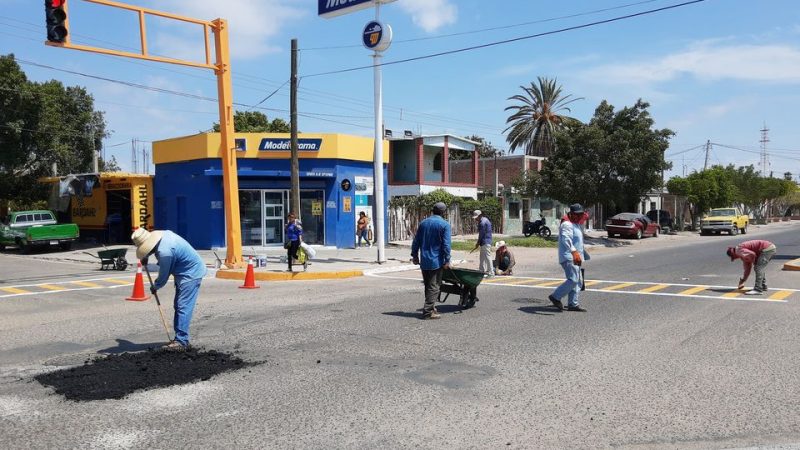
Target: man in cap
(504,259)
(431,251)
(177,258)
(759,252)
(484,242)
(571,255)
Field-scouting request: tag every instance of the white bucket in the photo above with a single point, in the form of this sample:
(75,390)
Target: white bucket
(262,260)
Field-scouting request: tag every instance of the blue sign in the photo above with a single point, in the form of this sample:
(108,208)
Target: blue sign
(373,33)
(282,144)
(333,8)
(241,144)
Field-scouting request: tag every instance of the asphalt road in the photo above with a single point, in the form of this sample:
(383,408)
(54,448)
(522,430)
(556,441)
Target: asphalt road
(348,364)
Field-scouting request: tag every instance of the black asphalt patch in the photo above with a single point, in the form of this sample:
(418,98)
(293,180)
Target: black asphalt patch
(116,376)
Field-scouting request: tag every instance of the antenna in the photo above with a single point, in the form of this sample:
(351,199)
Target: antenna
(764,164)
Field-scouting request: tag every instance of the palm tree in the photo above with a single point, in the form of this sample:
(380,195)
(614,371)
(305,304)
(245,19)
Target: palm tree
(535,119)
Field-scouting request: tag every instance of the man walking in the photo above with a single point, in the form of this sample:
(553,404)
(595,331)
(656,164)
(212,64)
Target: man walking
(571,255)
(759,252)
(484,242)
(177,258)
(431,251)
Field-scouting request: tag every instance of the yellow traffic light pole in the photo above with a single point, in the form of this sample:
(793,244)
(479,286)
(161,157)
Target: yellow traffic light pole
(222,68)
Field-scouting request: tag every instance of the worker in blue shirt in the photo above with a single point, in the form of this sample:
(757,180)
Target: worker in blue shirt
(175,257)
(294,235)
(431,251)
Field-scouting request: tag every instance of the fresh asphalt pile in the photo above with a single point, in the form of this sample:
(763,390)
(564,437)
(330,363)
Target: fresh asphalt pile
(115,376)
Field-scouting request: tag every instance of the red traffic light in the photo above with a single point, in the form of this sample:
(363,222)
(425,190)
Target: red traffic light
(56,20)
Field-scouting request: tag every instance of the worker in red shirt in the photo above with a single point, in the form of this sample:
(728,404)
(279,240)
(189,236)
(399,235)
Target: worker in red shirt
(750,252)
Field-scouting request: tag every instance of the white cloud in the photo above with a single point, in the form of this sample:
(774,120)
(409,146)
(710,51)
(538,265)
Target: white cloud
(253,23)
(430,15)
(708,61)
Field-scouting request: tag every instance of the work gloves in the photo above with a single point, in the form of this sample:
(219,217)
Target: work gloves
(144,261)
(153,290)
(576,258)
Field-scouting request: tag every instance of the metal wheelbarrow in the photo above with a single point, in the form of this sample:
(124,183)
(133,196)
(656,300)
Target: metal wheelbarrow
(461,282)
(113,258)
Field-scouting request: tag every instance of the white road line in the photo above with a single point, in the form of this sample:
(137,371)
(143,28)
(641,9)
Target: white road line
(662,294)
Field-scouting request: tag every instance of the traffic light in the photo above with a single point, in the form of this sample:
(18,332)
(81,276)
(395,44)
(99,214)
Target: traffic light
(56,17)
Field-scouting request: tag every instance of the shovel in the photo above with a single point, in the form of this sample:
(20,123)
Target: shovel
(158,302)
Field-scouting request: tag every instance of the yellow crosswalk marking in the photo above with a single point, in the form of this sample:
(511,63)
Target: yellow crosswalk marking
(86,284)
(116,281)
(592,283)
(780,295)
(52,287)
(617,286)
(492,280)
(732,294)
(517,281)
(693,290)
(549,283)
(12,290)
(657,287)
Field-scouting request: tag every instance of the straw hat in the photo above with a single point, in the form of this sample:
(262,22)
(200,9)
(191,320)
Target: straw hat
(145,241)
(500,244)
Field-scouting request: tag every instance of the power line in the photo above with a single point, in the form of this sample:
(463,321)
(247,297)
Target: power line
(508,41)
(484,30)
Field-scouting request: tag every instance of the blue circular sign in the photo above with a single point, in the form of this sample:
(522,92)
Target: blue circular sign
(377,36)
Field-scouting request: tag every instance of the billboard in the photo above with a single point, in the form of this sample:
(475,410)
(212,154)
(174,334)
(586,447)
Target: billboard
(333,8)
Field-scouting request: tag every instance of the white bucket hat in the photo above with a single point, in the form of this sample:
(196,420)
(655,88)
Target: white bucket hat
(145,241)
(500,244)
(476,213)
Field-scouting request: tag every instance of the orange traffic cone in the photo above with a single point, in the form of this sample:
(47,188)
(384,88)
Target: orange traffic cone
(249,277)
(138,287)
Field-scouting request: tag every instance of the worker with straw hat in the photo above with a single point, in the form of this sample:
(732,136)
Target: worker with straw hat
(175,257)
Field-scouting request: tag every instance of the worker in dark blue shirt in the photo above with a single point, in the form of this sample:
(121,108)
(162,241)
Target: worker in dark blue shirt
(431,251)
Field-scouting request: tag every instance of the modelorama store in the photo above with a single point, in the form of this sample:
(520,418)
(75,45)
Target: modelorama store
(336,183)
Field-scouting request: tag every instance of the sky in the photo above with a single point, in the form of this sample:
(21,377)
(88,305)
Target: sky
(716,70)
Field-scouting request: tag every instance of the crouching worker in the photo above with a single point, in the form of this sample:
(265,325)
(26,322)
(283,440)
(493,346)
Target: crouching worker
(177,258)
(503,259)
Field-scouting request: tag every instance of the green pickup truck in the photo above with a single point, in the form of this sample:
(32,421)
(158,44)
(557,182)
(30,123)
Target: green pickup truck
(25,229)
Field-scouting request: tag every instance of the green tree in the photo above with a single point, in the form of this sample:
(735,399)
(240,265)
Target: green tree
(537,117)
(42,124)
(711,188)
(613,160)
(256,122)
(485,148)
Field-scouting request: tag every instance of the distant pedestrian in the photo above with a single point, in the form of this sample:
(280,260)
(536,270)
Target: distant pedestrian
(759,252)
(431,251)
(571,254)
(362,226)
(504,259)
(294,235)
(484,242)
(175,257)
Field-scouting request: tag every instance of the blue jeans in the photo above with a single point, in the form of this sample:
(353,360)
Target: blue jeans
(363,234)
(571,286)
(186,292)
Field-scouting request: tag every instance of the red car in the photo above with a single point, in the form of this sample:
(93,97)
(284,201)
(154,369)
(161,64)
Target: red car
(631,225)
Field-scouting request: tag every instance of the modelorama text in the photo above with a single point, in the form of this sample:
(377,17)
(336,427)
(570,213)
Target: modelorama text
(286,144)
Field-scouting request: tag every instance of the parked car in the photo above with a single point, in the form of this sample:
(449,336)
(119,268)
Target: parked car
(24,229)
(631,225)
(730,220)
(662,217)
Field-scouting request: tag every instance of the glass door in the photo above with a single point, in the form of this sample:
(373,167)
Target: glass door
(274,216)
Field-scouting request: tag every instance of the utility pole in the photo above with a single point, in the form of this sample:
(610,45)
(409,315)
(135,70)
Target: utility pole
(708,150)
(134,157)
(95,163)
(295,165)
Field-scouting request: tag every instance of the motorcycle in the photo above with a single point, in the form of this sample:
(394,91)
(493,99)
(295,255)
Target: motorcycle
(536,227)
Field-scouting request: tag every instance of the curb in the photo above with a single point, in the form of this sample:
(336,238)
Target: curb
(287,276)
(792,265)
(379,270)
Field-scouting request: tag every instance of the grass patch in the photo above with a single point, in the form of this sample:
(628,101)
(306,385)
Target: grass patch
(533,241)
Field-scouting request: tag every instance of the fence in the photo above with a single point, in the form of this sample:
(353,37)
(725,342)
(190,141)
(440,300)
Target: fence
(403,222)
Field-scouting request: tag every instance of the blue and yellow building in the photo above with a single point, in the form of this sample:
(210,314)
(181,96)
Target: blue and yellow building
(336,183)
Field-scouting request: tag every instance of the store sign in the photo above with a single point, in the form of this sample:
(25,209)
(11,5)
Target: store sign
(364,185)
(377,36)
(333,8)
(316,208)
(347,205)
(278,144)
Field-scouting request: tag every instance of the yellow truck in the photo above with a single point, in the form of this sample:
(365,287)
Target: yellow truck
(729,220)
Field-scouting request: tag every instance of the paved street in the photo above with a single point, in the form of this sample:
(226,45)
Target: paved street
(667,356)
